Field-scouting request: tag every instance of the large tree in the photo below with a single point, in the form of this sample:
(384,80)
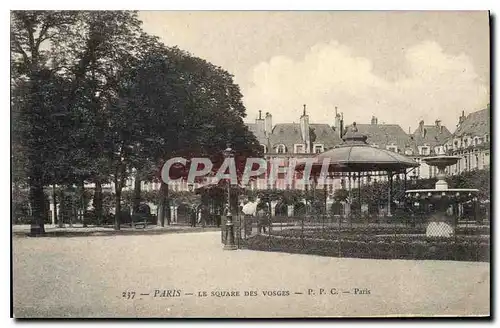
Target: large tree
(54,53)
(96,98)
(190,108)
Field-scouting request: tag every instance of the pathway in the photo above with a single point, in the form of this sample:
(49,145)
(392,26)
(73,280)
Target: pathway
(87,277)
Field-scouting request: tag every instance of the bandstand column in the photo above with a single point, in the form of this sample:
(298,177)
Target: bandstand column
(389,193)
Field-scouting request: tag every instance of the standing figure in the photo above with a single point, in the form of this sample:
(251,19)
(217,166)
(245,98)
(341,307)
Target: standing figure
(193,214)
(263,219)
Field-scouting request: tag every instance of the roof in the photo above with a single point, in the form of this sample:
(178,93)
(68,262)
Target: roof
(357,156)
(260,135)
(475,124)
(287,134)
(384,134)
(431,135)
(326,135)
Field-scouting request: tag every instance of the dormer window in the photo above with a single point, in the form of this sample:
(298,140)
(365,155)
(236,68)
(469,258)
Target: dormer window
(392,148)
(319,149)
(299,148)
(281,149)
(409,151)
(425,150)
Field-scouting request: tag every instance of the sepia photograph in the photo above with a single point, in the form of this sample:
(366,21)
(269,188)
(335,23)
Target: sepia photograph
(250,164)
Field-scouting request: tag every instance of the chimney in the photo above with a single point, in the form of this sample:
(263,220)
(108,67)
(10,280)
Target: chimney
(439,127)
(337,120)
(374,120)
(304,128)
(260,125)
(268,123)
(421,127)
(341,129)
(461,119)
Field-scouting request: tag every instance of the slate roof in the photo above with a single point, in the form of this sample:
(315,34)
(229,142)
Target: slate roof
(475,124)
(432,136)
(287,134)
(326,135)
(383,134)
(261,137)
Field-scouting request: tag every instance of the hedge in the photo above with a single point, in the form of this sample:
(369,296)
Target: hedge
(459,248)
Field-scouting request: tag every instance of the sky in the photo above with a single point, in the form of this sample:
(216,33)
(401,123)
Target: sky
(401,67)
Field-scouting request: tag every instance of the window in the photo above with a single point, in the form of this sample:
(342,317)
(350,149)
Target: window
(264,148)
(476,141)
(466,142)
(375,145)
(318,149)
(409,151)
(486,139)
(424,151)
(281,149)
(392,148)
(299,149)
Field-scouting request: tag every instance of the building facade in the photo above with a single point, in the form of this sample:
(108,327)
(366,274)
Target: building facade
(294,141)
(470,141)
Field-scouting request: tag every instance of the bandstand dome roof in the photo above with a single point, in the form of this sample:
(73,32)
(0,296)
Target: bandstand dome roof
(355,155)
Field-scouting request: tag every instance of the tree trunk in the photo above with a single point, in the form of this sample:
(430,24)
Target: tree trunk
(163,205)
(71,211)
(37,200)
(62,208)
(168,213)
(54,202)
(137,193)
(83,206)
(118,204)
(98,202)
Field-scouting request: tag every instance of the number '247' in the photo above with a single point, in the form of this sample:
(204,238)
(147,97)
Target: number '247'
(128,295)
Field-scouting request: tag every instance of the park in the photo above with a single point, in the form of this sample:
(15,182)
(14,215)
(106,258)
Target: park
(140,189)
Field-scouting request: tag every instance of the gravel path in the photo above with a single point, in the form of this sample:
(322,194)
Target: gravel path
(87,276)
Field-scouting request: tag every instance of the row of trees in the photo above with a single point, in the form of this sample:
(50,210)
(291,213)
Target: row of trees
(95,98)
(375,194)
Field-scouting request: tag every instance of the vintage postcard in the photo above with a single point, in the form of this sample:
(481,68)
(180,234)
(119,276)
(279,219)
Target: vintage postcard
(250,164)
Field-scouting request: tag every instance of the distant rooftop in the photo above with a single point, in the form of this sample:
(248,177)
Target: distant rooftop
(476,123)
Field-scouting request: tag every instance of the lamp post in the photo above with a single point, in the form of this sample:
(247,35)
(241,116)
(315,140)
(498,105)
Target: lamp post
(229,231)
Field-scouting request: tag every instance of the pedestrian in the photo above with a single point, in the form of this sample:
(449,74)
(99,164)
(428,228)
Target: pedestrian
(262,218)
(193,216)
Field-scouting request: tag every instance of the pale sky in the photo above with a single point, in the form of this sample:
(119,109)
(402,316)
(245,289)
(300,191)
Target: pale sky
(399,66)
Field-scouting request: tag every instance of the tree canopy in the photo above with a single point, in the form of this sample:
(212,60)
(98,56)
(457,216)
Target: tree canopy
(94,98)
